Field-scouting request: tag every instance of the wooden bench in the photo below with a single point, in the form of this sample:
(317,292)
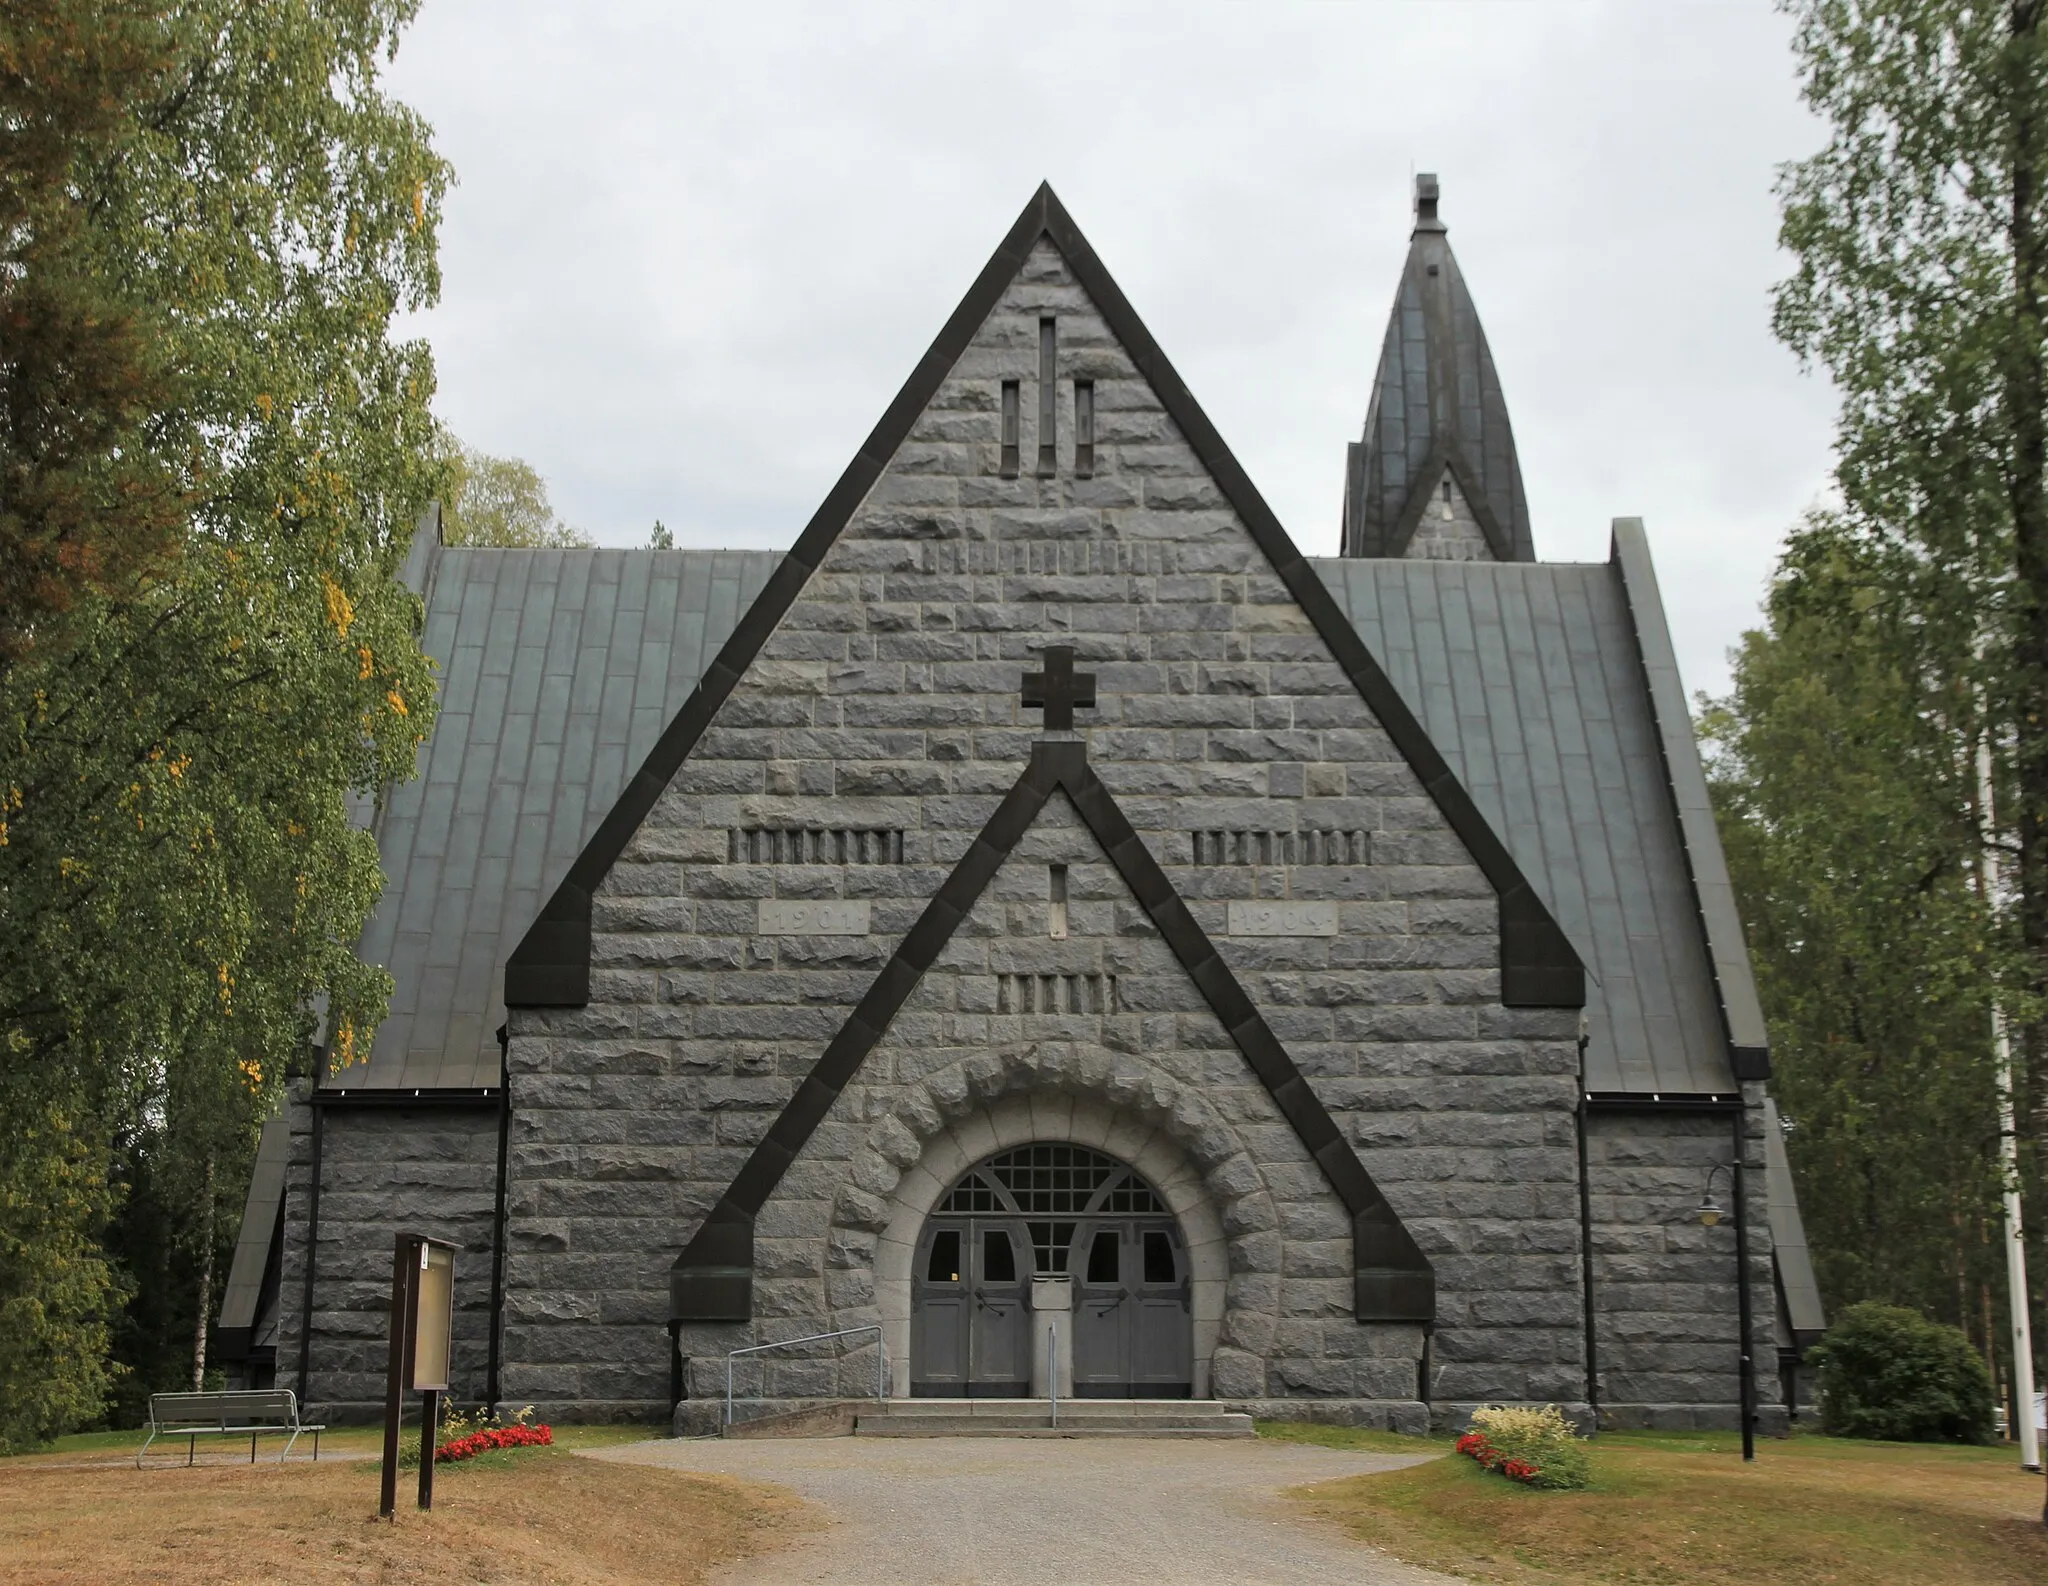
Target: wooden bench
(234,1413)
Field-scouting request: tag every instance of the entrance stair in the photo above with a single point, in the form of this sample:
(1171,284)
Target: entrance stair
(1195,1418)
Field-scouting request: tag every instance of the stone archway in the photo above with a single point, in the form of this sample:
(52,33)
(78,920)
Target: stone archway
(954,1117)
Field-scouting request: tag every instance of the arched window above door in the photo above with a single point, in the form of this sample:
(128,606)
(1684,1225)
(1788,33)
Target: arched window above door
(1052,1181)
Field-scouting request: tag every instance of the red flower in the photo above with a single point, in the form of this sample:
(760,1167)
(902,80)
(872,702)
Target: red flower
(515,1436)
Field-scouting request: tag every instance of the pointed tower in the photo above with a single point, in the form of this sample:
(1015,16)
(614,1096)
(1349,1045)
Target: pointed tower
(1435,473)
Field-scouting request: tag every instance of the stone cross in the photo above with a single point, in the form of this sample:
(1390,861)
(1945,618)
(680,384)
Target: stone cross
(1059,688)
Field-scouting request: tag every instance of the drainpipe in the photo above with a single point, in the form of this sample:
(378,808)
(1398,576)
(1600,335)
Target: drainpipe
(312,1251)
(1748,1384)
(491,1372)
(1586,1243)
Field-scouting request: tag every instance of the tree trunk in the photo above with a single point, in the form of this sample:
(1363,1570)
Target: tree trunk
(205,1309)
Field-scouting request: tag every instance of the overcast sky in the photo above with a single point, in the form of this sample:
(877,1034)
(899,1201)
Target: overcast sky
(694,250)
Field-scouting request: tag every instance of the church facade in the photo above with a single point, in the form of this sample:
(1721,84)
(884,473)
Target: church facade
(1045,907)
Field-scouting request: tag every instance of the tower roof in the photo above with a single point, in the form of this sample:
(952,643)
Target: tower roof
(1436,412)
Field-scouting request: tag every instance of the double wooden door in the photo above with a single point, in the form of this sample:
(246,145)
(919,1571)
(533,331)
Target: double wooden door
(971,1320)
(970,1331)
(1133,1322)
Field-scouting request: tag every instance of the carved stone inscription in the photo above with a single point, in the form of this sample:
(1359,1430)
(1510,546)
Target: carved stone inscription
(1283,918)
(813,917)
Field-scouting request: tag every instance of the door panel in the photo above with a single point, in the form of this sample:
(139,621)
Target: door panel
(999,1332)
(941,1305)
(1162,1330)
(1101,1316)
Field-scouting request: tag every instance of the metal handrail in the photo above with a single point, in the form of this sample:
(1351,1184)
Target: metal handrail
(881,1359)
(1052,1372)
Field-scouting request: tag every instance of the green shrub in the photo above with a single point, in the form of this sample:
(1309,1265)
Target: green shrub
(1890,1373)
(1541,1438)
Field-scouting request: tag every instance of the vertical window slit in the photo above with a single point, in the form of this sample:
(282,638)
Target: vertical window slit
(1013,398)
(1084,428)
(1056,913)
(1048,390)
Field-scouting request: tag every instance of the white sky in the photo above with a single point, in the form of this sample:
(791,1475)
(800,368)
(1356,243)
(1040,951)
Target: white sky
(695,249)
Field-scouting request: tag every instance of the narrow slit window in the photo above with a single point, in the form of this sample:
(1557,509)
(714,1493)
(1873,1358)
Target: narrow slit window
(1013,400)
(1447,497)
(1056,911)
(1084,428)
(945,1258)
(1048,392)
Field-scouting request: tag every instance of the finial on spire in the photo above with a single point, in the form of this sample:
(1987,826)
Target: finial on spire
(1425,203)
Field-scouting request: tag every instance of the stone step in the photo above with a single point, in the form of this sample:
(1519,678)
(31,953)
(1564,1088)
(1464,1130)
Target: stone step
(1034,1418)
(1155,1408)
(908,1426)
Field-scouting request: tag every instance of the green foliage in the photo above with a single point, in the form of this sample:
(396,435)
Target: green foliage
(87,505)
(499,501)
(181,878)
(1888,1372)
(1542,1438)
(54,1281)
(661,537)
(1905,629)
(1842,776)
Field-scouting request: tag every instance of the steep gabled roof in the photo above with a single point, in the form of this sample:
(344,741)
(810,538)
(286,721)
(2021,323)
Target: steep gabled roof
(558,671)
(1553,688)
(551,966)
(1436,408)
(1529,676)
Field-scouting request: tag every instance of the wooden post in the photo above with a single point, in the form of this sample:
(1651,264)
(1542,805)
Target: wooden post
(403,1266)
(430,1426)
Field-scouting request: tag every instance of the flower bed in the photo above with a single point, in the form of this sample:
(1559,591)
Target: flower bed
(517,1435)
(1534,1447)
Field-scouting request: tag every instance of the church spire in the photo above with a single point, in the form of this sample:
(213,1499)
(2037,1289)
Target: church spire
(1435,474)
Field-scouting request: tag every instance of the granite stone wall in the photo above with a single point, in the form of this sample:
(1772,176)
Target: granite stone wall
(383,1171)
(1448,530)
(1664,1285)
(882,721)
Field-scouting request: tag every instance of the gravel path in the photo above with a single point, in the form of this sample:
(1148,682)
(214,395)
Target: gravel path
(1030,1512)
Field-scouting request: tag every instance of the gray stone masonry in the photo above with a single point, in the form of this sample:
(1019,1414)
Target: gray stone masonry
(888,700)
(384,1172)
(1448,530)
(1664,1285)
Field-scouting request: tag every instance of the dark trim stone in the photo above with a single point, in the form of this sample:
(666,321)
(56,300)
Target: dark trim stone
(712,1280)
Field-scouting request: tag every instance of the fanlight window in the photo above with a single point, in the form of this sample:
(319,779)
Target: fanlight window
(1052,1181)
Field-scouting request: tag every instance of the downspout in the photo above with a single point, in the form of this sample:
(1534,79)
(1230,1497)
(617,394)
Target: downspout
(491,1371)
(1740,1123)
(312,1251)
(1586,1241)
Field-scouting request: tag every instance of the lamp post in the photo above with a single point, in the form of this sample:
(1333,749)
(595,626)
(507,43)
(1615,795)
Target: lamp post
(1709,1215)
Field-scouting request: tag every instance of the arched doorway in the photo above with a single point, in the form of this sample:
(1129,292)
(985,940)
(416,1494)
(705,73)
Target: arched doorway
(1054,1211)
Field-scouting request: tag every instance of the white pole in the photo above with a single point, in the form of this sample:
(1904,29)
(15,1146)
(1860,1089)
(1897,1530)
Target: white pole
(2008,1153)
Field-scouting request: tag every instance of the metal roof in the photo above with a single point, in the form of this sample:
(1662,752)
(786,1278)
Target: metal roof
(1528,677)
(1796,1282)
(558,669)
(244,1290)
(1436,404)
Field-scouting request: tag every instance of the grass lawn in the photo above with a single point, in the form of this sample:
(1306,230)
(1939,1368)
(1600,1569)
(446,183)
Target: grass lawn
(84,1513)
(1683,1508)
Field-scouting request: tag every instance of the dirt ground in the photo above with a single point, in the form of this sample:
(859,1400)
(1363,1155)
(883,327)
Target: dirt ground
(538,1516)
